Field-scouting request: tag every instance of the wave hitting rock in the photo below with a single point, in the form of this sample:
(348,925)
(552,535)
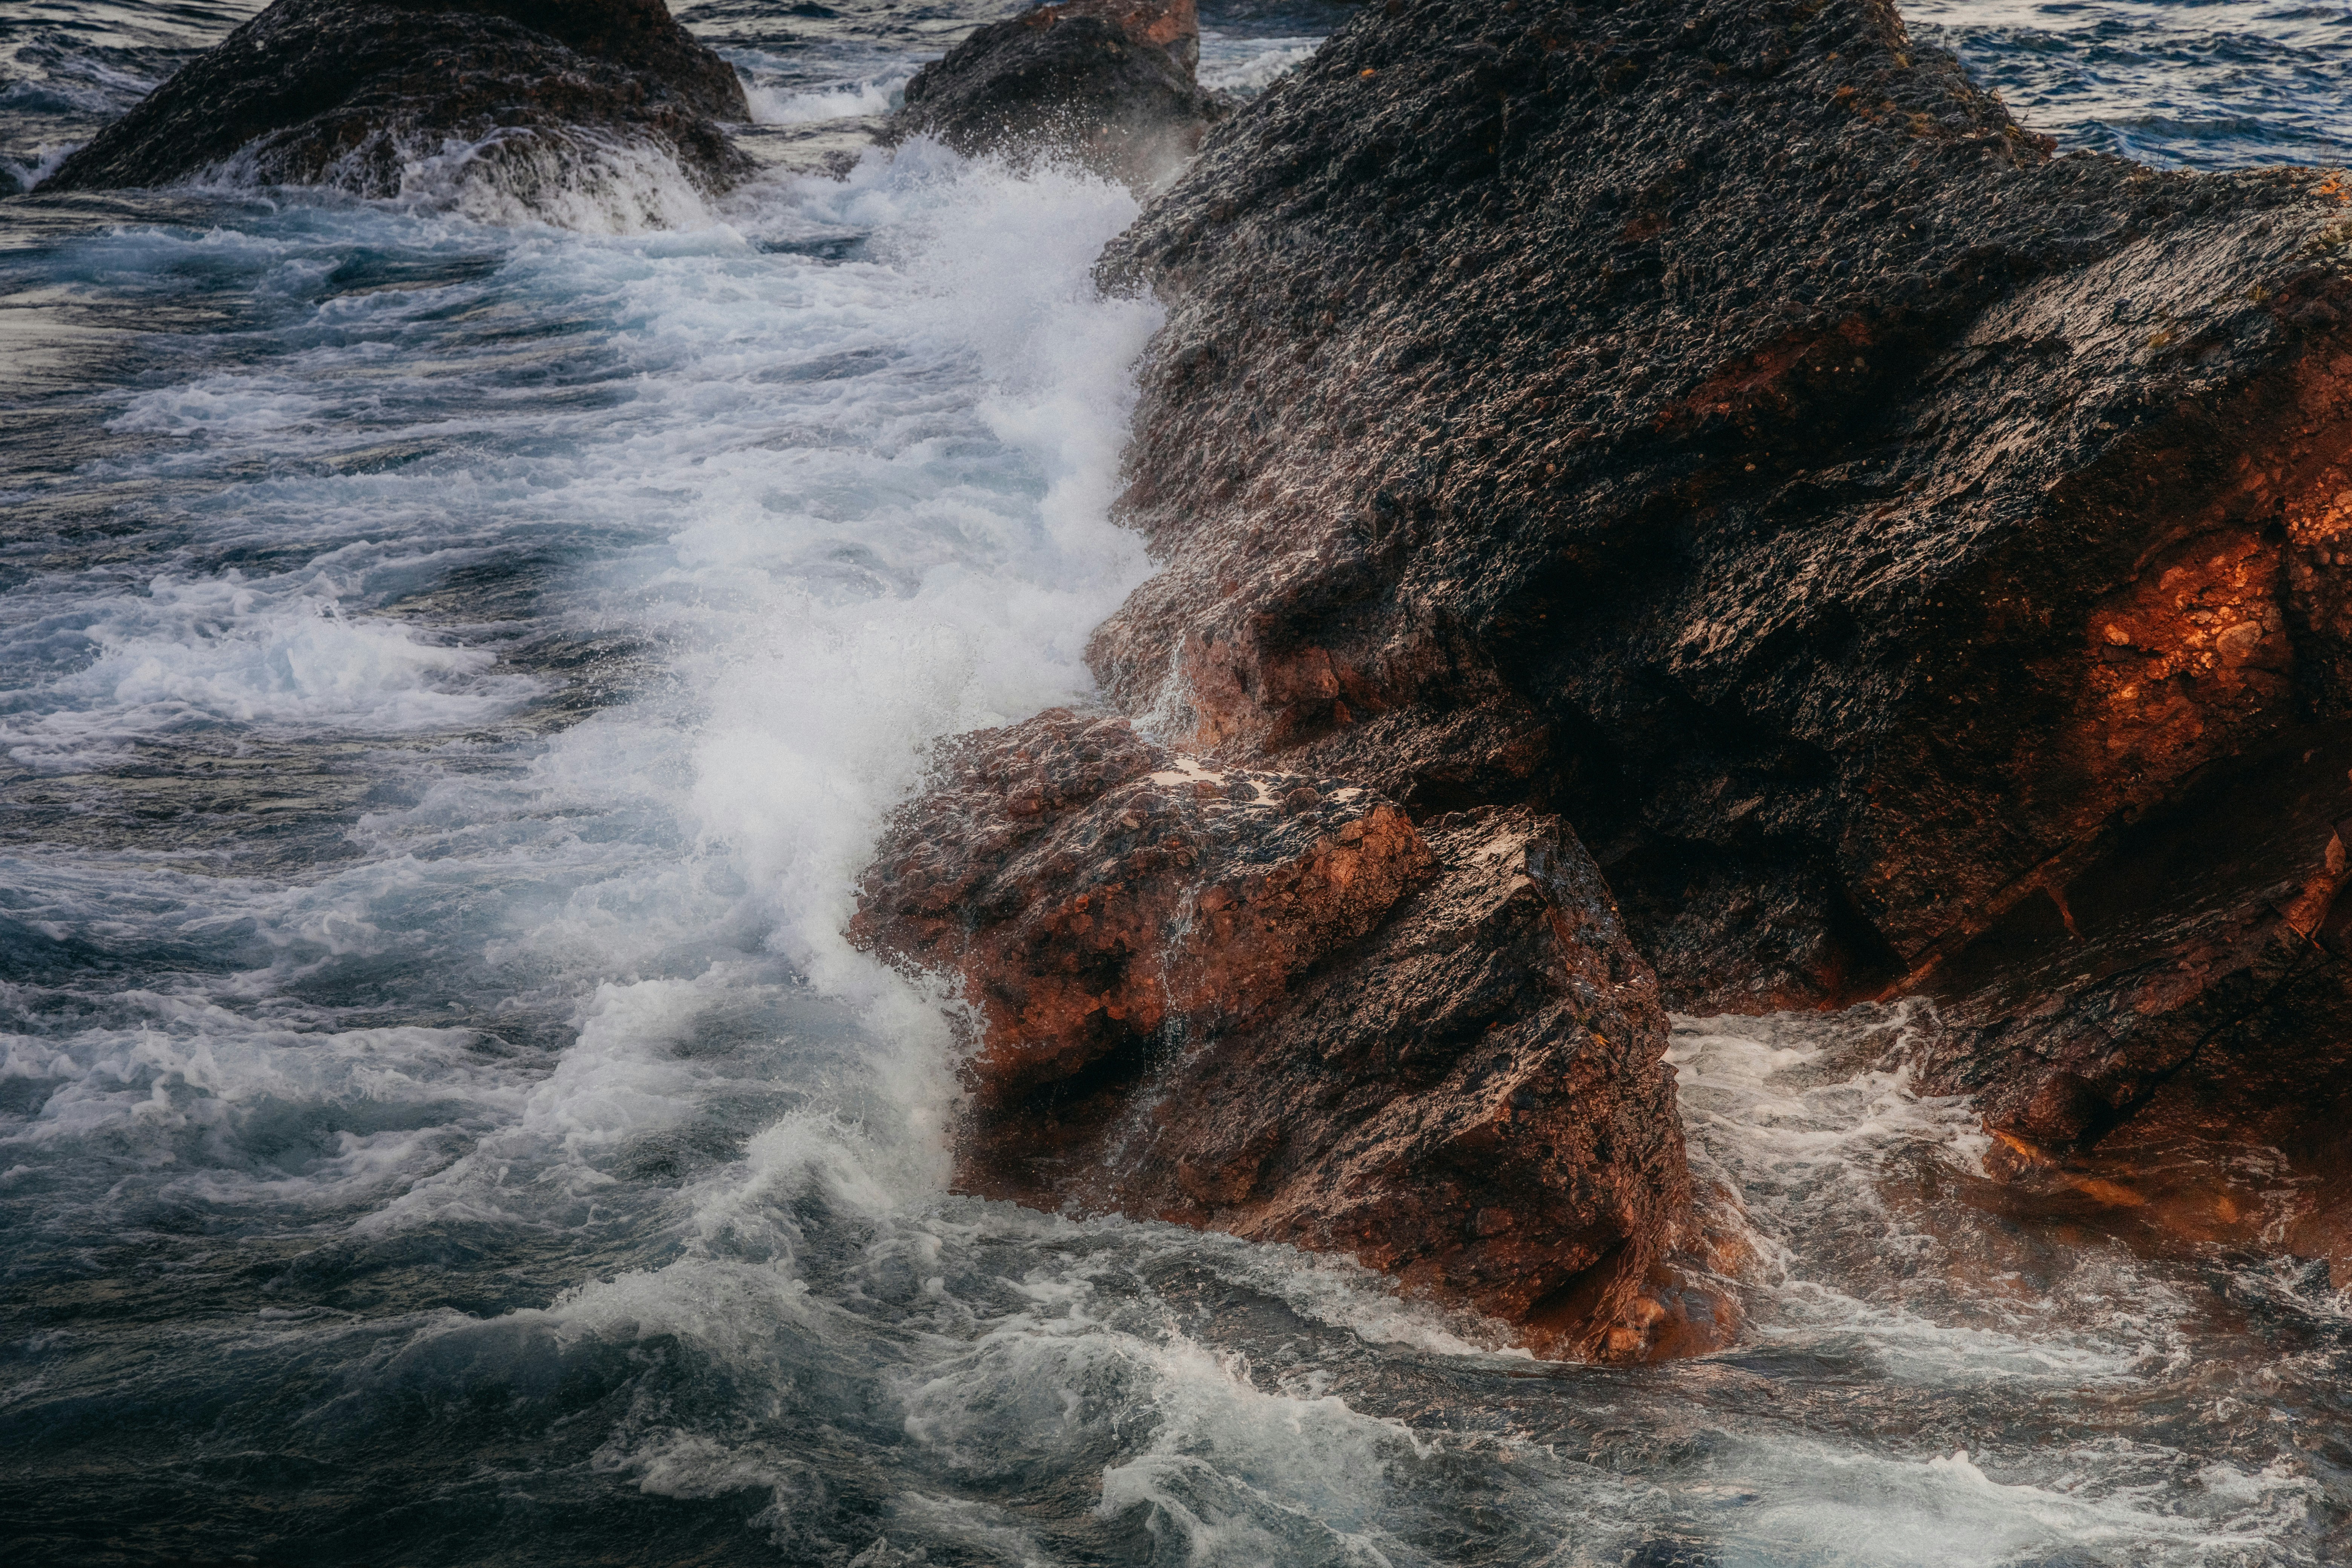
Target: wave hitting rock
(334,92)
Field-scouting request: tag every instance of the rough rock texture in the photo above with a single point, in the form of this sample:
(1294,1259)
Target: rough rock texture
(1108,83)
(1717,422)
(348,92)
(2192,976)
(1266,1003)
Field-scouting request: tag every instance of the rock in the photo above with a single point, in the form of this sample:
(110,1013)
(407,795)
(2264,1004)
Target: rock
(1107,82)
(1721,425)
(1267,1003)
(2190,980)
(1091,888)
(350,92)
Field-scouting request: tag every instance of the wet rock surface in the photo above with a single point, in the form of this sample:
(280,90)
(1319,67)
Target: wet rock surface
(2190,981)
(1109,83)
(344,93)
(1267,1003)
(1722,426)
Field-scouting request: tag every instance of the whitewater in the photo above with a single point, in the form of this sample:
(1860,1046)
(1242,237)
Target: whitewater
(456,655)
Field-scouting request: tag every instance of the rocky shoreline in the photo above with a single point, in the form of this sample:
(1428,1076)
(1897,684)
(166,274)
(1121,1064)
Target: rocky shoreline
(1719,433)
(1688,506)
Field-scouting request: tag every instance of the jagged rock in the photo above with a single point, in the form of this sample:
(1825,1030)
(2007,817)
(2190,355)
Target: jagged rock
(2190,980)
(348,92)
(1266,1003)
(1108,82)
(1719,422)
(1091,888)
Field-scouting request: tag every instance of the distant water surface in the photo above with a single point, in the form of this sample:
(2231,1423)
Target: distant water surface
(454,657)
(2200,84)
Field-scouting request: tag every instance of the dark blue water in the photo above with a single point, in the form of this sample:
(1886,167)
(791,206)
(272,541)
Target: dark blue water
(2200,84)
(456,653)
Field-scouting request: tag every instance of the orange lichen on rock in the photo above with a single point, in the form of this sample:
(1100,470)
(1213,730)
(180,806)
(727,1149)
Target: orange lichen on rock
(2189,663)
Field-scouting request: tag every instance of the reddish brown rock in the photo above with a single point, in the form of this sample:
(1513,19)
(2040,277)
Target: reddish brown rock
(1914,561)
(1266,1003)
(1091,888)
(1171,25)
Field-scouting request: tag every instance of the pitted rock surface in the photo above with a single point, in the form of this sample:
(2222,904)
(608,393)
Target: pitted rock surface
(1719,422)
(1089,886)
(347,93)
(1109,83)
(1268,1004)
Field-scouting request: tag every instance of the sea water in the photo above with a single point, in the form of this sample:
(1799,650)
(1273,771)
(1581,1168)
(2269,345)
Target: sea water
(457,653)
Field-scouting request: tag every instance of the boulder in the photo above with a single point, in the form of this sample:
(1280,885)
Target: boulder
(1109,83)
(1267,1003)
(350,92)
(1915,562)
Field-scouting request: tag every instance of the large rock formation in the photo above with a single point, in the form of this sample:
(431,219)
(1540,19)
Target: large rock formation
(348,92)
(1913,560)
(1107,82)
(1268,1004)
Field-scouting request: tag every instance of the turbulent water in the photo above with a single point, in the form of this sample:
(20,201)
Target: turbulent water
(454,655)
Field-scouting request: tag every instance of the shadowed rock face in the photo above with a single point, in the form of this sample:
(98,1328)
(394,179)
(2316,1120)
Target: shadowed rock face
(1266,1003)
(1719,424)
(348,92)
(1108,82)
(2190,981)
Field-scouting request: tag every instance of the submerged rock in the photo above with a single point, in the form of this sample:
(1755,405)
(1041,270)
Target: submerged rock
(1267,1003)
(352,93)
(1108,82)
(1914,561)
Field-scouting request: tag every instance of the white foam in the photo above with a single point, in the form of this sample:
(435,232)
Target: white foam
(1815,1124)
(199,1089)
(222,650)
(589,183)
(1224,1470)
(834,100)
(46,158)
(1820,1504)
(1249,65)
(822,704)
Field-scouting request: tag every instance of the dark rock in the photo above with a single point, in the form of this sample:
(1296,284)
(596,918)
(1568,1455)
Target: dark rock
(1266,1003)
(2191,977)
(1107,82)
(1720,424)
(348,92)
